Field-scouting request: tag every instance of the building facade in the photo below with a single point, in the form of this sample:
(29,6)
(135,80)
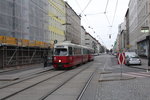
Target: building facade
(127,29)
(138,18)
(133,23)
(83,33)
(28,29)
(73,25)
(91,42)
(123,36)
(56,20)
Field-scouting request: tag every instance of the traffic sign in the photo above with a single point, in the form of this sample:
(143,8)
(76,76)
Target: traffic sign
(121,58)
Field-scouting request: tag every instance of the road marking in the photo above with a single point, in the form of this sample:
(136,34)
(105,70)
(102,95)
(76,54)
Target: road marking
(140,74)
(131,75)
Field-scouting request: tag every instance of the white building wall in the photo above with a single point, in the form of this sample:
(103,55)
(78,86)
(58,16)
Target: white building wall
(83,32)
(133,22)
(138,17)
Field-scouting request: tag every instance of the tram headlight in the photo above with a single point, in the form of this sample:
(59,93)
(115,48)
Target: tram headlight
(59,60)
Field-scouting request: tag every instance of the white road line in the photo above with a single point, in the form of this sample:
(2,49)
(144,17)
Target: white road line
(138,74)
(131,75)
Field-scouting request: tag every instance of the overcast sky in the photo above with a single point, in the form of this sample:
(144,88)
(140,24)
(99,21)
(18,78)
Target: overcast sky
(98,23)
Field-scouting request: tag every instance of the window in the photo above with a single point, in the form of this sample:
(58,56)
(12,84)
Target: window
(60,52)
(70,51)
(87,44)
(77,51)
(85,51)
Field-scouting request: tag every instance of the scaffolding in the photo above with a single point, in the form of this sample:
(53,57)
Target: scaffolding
(28,29)
(24,34)
(18,56)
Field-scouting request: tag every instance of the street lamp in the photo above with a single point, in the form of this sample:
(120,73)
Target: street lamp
(146,30)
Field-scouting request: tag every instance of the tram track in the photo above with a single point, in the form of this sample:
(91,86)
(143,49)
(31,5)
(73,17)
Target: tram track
(71,74)
(60,85)
(27,87)
(26,78)
(86,85)
(18,69)
(63,83)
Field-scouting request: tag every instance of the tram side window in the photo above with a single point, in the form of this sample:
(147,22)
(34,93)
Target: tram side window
(88,52)
(70,51)
(61,52)
(77,51)
(85,51)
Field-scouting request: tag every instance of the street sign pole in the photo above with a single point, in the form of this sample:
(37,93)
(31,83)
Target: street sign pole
(121,69)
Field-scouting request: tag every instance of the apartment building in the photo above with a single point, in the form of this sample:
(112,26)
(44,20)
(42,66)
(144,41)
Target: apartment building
(138,18)
(73,25)
(91,42)
(122,36)
(28,30)
(83,33)
(56,20)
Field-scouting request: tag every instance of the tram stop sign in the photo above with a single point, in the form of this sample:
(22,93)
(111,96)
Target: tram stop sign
(121,58)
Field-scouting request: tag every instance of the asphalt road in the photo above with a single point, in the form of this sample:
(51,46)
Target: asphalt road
(110,84)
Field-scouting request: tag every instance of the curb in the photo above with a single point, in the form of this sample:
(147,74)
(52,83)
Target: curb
(116,79)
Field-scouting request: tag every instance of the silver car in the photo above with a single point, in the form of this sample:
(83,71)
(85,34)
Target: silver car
(132,58)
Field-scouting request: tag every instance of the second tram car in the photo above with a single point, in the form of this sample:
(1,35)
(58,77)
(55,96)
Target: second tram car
(67,55)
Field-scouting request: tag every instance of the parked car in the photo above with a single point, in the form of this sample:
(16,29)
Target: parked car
(132,58)
(115,54)
(95,54)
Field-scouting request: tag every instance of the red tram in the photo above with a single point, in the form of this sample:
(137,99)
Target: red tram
(67,55)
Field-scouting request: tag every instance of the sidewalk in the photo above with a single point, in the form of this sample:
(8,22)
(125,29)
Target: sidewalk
(24,72)
(20,67)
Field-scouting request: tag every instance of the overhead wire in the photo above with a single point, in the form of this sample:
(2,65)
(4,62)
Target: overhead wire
(86,6)
(85,15)
(82,12)
(111,24)
(115,12)
(78,4)
(108,20)
(106,6)
(98,13)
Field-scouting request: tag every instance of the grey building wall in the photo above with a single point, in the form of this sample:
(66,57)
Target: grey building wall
(92,43)
(139,17)
(24,19)
(88,40)
(122,36)
(73,31)
(127,30)
(83,32)
(133,22)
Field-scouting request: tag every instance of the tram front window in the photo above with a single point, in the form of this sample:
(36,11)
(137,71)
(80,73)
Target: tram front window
(61,52)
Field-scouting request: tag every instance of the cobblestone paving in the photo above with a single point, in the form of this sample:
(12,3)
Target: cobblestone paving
(135,89)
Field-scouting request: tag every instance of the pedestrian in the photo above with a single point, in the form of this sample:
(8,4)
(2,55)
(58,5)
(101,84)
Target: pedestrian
(45,60)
